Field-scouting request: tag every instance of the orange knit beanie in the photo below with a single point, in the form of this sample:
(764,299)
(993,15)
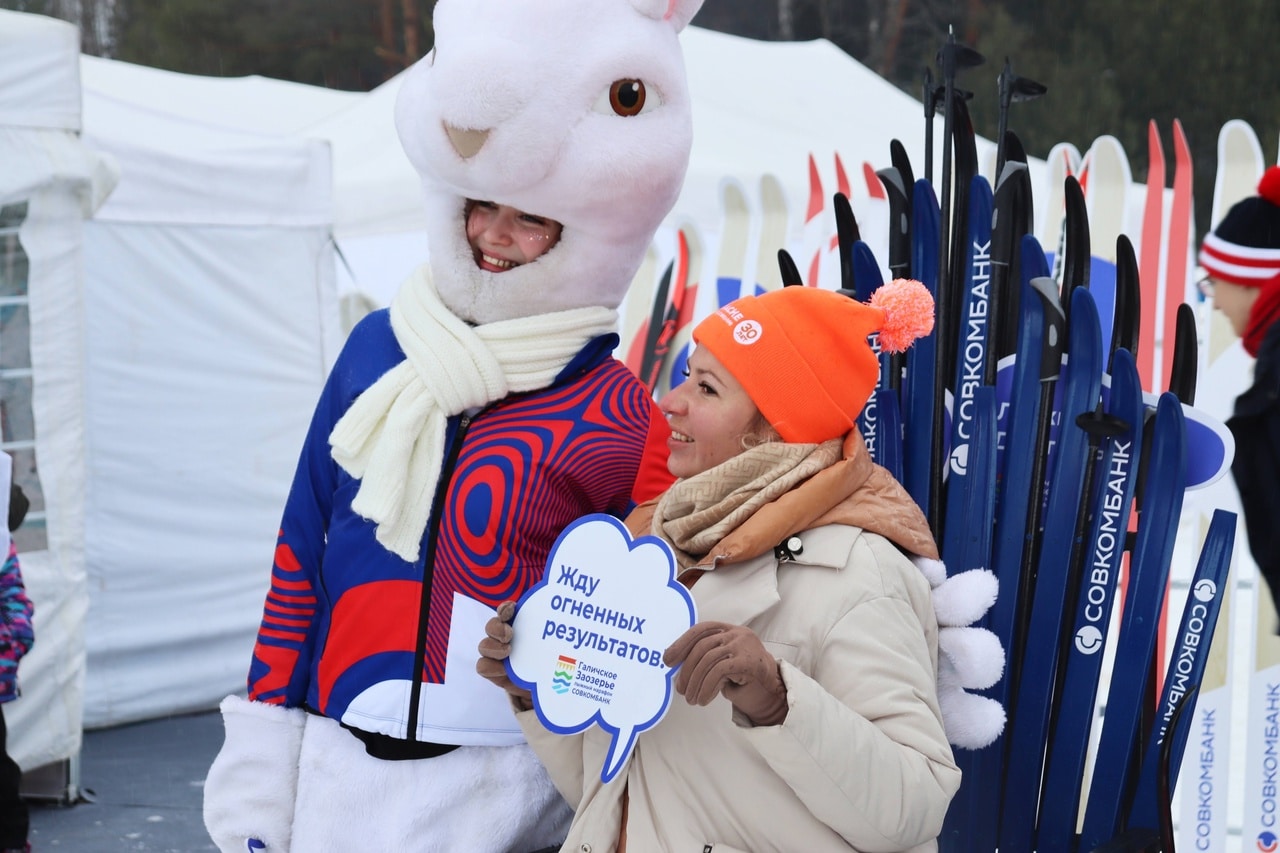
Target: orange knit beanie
(803,356)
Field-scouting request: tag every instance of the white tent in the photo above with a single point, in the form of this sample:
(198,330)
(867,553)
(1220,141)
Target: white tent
(178,340)
(211,319)
(760,108)
(253,104)
(49,185)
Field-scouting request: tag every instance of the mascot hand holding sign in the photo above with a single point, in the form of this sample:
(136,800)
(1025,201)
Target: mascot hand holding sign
(458,434)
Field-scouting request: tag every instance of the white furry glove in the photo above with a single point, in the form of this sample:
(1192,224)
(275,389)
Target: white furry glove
(969,658)
(251,787)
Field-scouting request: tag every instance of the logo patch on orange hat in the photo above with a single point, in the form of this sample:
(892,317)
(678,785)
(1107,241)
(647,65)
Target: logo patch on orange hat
(747,332)
(730,314)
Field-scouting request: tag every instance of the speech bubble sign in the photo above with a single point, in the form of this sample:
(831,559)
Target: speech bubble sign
(589,636)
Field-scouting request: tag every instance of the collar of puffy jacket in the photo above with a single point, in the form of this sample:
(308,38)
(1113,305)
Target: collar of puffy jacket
(752,587)
(854,491)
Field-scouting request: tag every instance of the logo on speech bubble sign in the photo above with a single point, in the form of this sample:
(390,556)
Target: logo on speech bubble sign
(589,636)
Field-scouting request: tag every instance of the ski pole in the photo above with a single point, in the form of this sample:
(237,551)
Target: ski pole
(1013,89)
(929,97)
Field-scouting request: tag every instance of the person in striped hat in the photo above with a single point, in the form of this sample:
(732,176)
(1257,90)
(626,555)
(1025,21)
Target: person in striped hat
(1242,259)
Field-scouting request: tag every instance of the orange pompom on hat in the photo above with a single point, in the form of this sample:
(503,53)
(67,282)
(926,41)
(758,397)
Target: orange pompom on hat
(803,356)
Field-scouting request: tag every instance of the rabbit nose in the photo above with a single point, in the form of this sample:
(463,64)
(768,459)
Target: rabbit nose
(466,142)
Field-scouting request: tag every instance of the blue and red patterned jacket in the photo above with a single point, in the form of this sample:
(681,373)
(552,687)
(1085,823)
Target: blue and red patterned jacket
(16,635)
(354,632)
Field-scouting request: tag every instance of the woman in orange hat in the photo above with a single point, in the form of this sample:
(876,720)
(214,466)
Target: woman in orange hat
(811,717)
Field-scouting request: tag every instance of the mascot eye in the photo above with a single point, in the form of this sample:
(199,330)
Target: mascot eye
(627,97)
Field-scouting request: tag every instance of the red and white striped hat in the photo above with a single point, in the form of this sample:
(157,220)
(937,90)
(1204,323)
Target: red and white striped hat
(1245,247)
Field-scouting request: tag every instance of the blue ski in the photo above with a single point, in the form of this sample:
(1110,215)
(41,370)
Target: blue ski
(867,277)
(1045,290)
(953,282)
(1186,667)
(1015,467)
(971,486)
(867,280)
(1161,504)
(974,332)
(1082,385)
(1032,257)
(917,386)
(1064,770)
(970,364)
(971,497)
(889,423)
(971,461)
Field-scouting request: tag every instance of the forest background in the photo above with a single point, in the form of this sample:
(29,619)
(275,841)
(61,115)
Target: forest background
(1110,66)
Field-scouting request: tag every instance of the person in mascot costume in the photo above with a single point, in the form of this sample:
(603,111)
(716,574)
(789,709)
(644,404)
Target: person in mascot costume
(458,433)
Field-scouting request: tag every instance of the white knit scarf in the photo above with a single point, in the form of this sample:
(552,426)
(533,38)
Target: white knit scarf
(392,437)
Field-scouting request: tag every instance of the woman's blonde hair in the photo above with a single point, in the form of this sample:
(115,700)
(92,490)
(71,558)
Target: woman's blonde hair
(760,432)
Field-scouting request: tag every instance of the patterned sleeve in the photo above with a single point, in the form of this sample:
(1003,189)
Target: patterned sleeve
(279,672)
(15,607)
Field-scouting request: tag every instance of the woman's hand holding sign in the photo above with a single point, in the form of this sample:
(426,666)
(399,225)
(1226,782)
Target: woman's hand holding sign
(495,648)
(715,657)
(591,635)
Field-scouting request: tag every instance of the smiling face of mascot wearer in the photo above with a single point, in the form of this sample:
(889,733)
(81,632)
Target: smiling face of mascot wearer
(502,237)
(596,138)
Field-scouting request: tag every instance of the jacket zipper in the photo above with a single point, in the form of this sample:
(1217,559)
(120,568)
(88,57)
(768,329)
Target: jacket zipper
(428,570)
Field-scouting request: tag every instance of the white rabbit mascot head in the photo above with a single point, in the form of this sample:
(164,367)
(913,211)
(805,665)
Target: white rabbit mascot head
(573,110)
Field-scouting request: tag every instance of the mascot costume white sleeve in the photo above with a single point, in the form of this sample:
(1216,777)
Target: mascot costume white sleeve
(457,434)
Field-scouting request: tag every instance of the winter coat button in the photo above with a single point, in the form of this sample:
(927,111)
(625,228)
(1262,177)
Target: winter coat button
(584,848)
(795,545)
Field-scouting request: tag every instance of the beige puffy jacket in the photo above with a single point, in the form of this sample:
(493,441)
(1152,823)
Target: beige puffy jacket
(861,761)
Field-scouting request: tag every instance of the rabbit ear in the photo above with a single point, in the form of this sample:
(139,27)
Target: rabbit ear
(678,12)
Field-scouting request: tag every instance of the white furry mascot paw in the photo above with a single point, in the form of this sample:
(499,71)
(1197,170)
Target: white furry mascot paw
(252,785)
(969,658)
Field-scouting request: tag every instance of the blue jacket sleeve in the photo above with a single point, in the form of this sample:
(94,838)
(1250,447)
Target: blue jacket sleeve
(295,609)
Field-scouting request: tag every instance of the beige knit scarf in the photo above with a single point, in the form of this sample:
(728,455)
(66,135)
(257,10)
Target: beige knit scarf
(392,437)
(698,513)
